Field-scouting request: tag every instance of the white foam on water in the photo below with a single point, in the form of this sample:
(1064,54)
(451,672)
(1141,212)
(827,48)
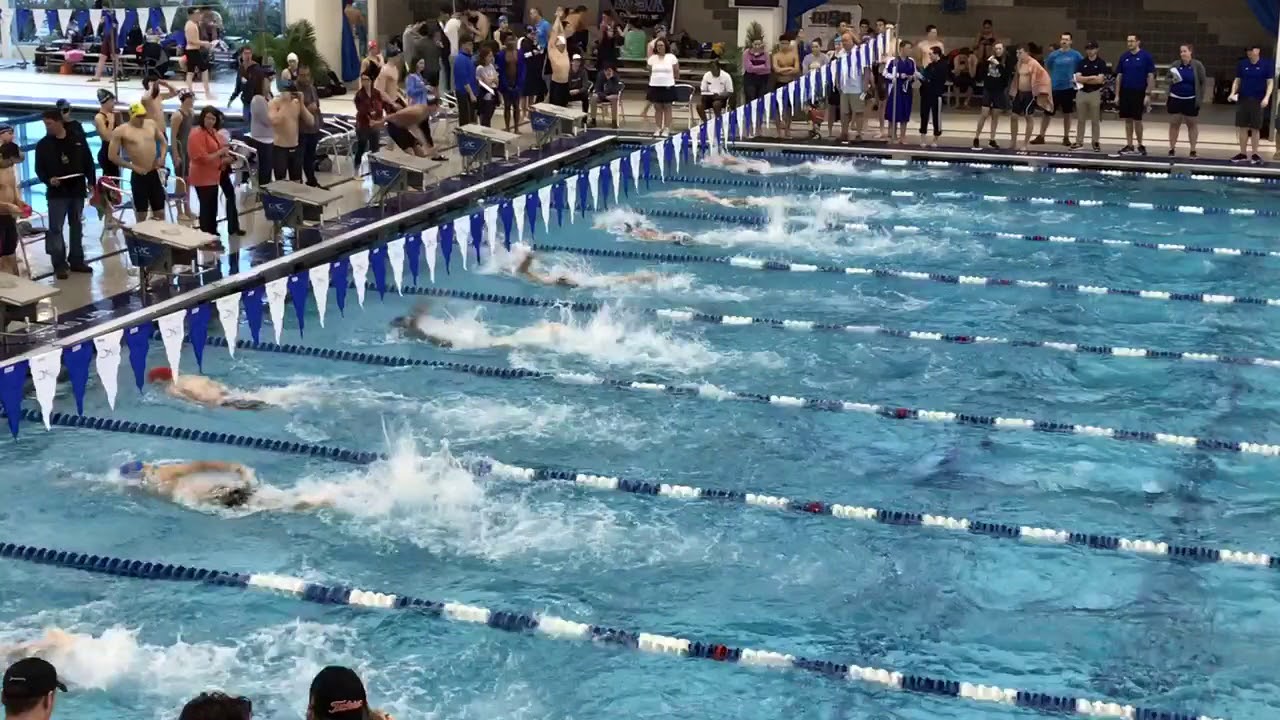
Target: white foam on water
(615,218)
(465,419)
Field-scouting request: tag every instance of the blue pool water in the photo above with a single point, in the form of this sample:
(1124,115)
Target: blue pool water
(1062,619)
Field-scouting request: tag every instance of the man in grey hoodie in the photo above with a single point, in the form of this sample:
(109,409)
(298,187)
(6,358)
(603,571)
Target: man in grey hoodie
(1186,93)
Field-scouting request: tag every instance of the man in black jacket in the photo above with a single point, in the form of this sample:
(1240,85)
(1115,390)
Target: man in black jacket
(65,165)
(244,64)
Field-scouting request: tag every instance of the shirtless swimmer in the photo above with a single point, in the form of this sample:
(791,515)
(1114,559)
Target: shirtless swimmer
(201,390)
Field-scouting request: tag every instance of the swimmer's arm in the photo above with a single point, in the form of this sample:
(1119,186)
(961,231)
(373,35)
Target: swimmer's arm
(167,475)
(175,125)
(164,145)
(113,150)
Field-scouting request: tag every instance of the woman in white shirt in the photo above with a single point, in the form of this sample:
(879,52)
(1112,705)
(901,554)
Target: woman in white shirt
(663,70)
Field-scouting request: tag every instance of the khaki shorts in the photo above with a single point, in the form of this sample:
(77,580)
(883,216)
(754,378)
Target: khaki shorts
(851,104)
(1089,105)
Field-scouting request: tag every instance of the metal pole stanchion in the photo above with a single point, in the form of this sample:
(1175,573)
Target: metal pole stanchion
(109,7)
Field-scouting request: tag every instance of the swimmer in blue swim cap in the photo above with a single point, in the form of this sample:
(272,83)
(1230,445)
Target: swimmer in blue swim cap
(636,231)
(173,479)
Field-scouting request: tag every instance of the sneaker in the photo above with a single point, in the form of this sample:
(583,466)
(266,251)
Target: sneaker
(1066,142)
(1255,159)
(1192,155)
(82,268)
(1097,148)
(1075,146)
(1172,153)
(1239,158)
(1142,150)
(993,144)
(62,273)
(976,146)
(1127,150)
(1037,140)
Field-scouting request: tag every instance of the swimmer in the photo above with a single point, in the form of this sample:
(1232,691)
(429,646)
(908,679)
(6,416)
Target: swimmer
(201,390)
(411,326)
(177,480)
(737,164)
(639,232)
(729,202)
(527,272)
(55,640)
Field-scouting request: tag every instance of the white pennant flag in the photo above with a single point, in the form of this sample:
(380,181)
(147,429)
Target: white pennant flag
(44,24)
(461,232)
(107,362)
(571,190)
(593,179)
(430,244)
(360,273)
(121,12)
(170,12)
(518,206)
(171,331)
(229,316)
(276,291)
(681,145)
(6,33)
(661,148)
(64,19)
(44,375)
(395,254)
(615,168)
(491,228)
(634,161)
(742,122)
(95,17)
(693,145)
(544,200)
(320,287)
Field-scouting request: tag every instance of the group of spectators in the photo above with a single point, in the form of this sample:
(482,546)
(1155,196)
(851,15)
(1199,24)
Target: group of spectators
(31,687)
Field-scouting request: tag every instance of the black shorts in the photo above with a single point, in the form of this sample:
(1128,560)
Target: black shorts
(1024,103)
(1185,107)
(559,93)
(1064,102)
(148,192)
(1132,103)
(661,95)
(995,98)
(709,101)
(197,61)
(962,81)
(402,137)
(8,235)
(1249,113)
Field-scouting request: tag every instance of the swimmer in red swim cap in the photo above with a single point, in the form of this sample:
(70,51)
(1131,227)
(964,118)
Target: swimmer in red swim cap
(201,390)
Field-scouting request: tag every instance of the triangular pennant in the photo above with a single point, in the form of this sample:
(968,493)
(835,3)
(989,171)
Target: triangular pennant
(615,169)
(544,200)
(229,318)
(430,243)
(633,162)
(457,238)
(531,214)
(95,17)
(339,271)
(13,380)
(395,258)
(378,263)
(318,277)
(413,253)
(446,244)
(198,330)
(518,205)
(476,223)
(606,184)
(44,375)
(359,273)
(138,340)
(76,359)
(491,229)
(507,212)
(593,182)
(298,291)
(253,311)
(172,329)
(660,153)
(107,362)
(170,12)
(277,290)
(64,20)
(571,194)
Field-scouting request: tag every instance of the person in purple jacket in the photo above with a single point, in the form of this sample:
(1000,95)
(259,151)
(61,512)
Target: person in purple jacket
(757,68)
(511,77)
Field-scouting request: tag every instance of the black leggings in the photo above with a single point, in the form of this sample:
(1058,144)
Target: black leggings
(754,86)
(265,152)
(367,140)
(287,163)
(930,105)
(208,197)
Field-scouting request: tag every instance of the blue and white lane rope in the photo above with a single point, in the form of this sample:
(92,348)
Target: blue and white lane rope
(1154,174)
(678,315)
(716,393)
(901,519)
(558,628)
(953,195)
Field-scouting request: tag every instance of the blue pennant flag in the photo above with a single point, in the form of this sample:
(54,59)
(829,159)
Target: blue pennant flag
(584,193)
(560,200)
(198,330)
(299,285)
(477,232)
(413,253)
(76,360)
(531,205)
(378,264)
(669,153)
(138,340)
(702,132)
(252,299)
(507,215)
(733,126)
(446,243)
(13,380)
(646,160)
(606,185)
(339,271)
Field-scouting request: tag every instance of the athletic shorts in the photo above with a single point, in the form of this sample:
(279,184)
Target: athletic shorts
(1064,102)
(995,98)
(1024,103)
(197,61)
(148,192)
(852,104)
(1132,103)
(1249,113)
(402,137)
(8,235)
(1185,107)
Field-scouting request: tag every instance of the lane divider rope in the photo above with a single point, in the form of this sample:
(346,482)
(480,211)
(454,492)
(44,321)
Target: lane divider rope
(900,519)
(1155,174)
(553,627)
(952,195)
(792,324)
(713,392)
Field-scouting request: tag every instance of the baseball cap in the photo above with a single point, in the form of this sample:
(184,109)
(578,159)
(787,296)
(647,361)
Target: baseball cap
(1091,45)
(137,110)
(337,694)
(30,678)
(64,105)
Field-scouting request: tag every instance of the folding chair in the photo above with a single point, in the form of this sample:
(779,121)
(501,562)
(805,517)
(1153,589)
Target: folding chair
(684,99)
(30,233)
(114,203)
(338,141)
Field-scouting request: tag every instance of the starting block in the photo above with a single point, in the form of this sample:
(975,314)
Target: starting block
(476,144)
(20,299)
(155,247)
(291,204)
(551,121)
(397,172)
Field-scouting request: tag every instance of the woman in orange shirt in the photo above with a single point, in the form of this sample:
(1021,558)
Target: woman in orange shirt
(210,167)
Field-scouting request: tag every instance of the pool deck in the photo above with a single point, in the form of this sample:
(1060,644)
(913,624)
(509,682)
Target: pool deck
(86,301)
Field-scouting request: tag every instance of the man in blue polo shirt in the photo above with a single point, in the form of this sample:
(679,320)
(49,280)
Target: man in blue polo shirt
(1062,65)
(1251,92)
(1135,78)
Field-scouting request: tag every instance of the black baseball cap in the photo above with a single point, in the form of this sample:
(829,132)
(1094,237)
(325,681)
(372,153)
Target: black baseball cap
(30,678)
(337,694)
(1091,45)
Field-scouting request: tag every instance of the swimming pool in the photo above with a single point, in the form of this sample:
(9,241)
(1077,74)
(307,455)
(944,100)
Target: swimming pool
(647,387)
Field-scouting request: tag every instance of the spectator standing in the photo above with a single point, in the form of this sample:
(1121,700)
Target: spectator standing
(1135,78)
(243,88)
(487,82)
(210,157)
(558,58)
(815,58)
(1251,92)
(511,79)
(996,75)
(1032,88)
(756,71)
(465,88)
(1062,65)
(311,122)
(899,72)
(415,83)
(925,47)
(65,165)
(535,58)
(452,31)
(541,27)
(664,68)
(854,87)
(933,86)
(198,50)
(369,120)
(786,67)
(608,90)
(30,690)
(11,205)
(262,135)
(1092,77)
(1186,91)
(716,91)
